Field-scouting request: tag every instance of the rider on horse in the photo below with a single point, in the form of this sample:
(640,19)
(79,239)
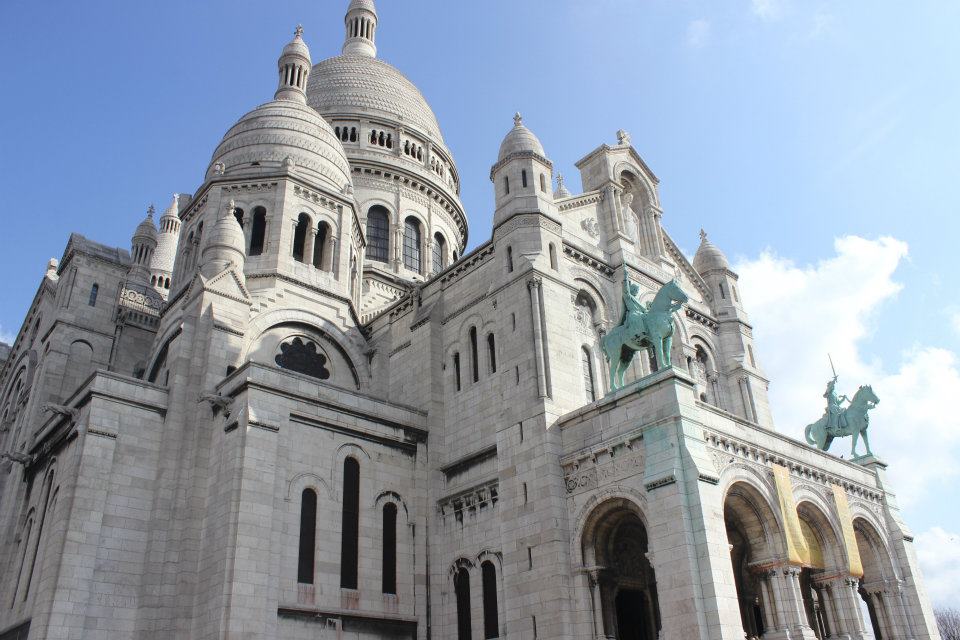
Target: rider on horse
(834,407)
(631,298)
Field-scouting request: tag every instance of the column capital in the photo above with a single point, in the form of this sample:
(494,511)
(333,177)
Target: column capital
(535,282)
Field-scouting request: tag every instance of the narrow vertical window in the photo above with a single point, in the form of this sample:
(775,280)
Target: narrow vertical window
(543,183)
(259,231)
(378,234)
(319,244)
(506,184)
(474,360)
(300,236)
(411,244)
(491,616)
(439,253)
(553,257)
(492,352)
(94,291)
(509,259)
(753,361)
(308,536)
(587,363)
(523,178)
(723,293)
(456,369)
(390,548)
(350,531)
(461,587)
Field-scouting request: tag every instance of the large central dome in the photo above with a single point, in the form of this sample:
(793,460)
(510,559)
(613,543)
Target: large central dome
(351,83)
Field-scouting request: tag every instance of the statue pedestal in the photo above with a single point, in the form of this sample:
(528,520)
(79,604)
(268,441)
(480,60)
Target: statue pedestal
(871,462)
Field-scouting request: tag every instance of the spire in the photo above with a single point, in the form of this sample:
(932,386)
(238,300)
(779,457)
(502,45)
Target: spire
(562,191)
(294,66)
(173,211)
(361,26)
(517,119)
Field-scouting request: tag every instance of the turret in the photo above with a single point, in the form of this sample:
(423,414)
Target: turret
(522,176)
(746,384)
(294,67)
(142,246)
(168,237)
(224,245)
(361,25)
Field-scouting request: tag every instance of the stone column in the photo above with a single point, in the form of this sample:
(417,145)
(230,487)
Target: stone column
(533,285)
(848,606)
(795,614)
(596,603)
(309,238)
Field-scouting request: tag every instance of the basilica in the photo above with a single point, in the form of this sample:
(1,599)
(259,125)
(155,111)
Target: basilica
(298,407)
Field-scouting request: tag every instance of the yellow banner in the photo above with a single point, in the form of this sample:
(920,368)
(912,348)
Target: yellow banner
(849,537)
(797,550)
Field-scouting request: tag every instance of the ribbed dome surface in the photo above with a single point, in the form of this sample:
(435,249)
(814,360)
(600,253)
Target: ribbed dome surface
(278,130)
(519,140)
(146,229)
(709,256)
(348,85)
(166,252)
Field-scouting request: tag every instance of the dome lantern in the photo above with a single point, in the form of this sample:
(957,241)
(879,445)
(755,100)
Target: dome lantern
(361,25)
(294,67)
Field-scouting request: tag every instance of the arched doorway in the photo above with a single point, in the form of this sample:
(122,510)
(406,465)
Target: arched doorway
(625,589)
(878,602)
(754,536)
(822,593)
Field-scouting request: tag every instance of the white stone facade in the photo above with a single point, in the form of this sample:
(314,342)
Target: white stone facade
(298,410)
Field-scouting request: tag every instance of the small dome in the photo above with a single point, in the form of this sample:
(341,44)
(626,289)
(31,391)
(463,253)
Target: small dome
(225,243)
(520,140)
(146,229)
(561,191)
(709,257)
(297,47)
(264,139)
(362,4)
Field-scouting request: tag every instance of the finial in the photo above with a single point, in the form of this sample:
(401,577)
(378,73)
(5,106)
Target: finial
(559,180)
(623,137)
(150,211)
(703,235)
(517,119)
(298,32)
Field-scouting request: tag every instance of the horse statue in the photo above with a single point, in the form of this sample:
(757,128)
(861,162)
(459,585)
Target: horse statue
(851,421)
(642,326)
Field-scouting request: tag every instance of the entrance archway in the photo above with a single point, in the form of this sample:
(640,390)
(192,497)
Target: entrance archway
(753,533)
(821,597)
(878,573)
(625,589)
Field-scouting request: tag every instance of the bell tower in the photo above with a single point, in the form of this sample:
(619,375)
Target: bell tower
(361,25)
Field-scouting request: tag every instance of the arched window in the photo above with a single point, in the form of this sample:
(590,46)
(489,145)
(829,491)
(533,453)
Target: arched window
(320,245)
(439,253)
(523,178)
(474,360)
(153,280)
(492,352)
(456,369)
(41,518)
(461,587)
(378,234)
(353,134)
(308,536)
(553,256)
(166,283)
(350,531)
(389,548)
(491,617)
(300,237)
(94,291)
(259,231)
(723,292)
(506,184)
(238,214)
(509,259)
(543,183)
(411,244)
(587,364)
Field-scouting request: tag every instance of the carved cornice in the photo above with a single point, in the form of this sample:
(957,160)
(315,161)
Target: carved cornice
(472,500)
(591,261)
(582,200)
(732,451)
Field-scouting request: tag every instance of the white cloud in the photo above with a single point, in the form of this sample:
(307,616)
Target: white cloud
(7,336)
(698,33)
(767,9)
(939,554)
(955,321)
(801,313)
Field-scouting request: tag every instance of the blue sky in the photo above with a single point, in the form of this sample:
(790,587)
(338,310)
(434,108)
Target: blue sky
(780,126)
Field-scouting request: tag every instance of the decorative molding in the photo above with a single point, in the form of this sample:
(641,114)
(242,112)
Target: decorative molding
(660,482)
(594,263)
(706,321)
(400,348)
(472,500)
(582,200)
